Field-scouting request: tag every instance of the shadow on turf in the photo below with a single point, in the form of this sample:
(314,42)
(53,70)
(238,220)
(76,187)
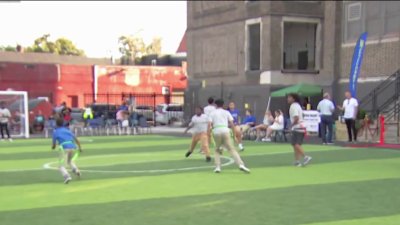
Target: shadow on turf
(281,206)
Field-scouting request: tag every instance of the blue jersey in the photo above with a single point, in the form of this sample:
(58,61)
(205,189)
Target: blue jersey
(235,115)
(64,137)
(249,119)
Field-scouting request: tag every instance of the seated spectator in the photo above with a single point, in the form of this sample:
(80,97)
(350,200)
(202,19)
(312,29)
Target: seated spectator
(279,124)
(248,122)
(38,122)
(268,121)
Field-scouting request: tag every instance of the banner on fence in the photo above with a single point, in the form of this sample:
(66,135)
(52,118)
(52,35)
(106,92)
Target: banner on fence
(311,120)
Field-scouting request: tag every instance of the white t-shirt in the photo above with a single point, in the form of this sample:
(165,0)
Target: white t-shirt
(200,123)
(278,123)
(219,119)
(326,107)
(209,109)
(296,110)
(4,115)
(349,106)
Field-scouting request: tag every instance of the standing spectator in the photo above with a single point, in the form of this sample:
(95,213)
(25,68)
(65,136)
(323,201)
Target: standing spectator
(5,116)
(268,121)
(120,117)
(298,130)
(61,108)
(350,108)
(87,114)
(66,114)
(326,108)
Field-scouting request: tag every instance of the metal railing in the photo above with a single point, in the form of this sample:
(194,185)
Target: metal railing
(381,98)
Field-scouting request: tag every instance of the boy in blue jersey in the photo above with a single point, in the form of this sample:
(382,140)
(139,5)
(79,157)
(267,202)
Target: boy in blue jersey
(67,143)
(236,122)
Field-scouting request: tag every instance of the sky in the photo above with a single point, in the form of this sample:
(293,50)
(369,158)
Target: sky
(93,26)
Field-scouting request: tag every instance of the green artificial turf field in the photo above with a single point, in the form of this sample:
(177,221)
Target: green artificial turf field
(146,180)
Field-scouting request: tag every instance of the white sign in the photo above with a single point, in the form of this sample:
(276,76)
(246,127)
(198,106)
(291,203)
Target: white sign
(311,120)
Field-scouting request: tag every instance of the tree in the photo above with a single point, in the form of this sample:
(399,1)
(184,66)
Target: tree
(61,46)
(8,48)
(133,47)
(154,47)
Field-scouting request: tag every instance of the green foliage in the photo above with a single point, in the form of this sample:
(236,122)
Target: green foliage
(133,47)
(61,46)
(8,48)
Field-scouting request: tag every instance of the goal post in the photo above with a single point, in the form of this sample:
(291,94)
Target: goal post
(17,103)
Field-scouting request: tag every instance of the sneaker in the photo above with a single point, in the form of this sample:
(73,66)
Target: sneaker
(266,139)
(208,159)
(67,180)
(77,173)
(2,140)
(244,169)
(307,160)
(188,154)
(324,143)
(298,164)
(217,170)
(330,143)
(10,140)
(241,147)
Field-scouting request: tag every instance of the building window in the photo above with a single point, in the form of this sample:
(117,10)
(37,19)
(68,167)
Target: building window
(253,46)
(299,46)
(379,18)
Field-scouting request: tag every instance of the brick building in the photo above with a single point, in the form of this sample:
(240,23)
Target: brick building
(243,50)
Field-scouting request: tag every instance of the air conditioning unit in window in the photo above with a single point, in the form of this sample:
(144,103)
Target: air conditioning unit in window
(354,11)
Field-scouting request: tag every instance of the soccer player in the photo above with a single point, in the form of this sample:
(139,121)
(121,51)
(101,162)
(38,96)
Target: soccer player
(210,107)
(201,127)
(67,143)
(298,129)
(221,120)
(236,124)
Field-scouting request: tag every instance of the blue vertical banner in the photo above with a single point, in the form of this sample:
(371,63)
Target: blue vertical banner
(356,63)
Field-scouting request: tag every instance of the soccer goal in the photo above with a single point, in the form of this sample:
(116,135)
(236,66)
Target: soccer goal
(17,103)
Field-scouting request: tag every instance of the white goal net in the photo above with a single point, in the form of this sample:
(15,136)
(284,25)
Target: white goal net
(17,103)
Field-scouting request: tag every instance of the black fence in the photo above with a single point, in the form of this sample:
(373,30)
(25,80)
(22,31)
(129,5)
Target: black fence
(157,108)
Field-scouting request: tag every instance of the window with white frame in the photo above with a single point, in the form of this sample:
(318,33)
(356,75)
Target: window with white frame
(299,45)
(379,18)
(253,45)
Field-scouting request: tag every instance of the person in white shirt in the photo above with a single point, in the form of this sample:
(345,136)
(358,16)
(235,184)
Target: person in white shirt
(210,107)
(208,110)
(201,126)
(5,116)
(268,121)
(326,109)
(221,120)
(350,108)
(298,129)
(279,124)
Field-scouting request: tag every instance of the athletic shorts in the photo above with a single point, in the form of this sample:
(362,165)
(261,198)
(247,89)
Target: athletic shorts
(297,138)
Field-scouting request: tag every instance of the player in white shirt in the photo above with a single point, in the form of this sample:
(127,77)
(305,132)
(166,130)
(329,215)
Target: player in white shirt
(350,108)
(5,116)
(298,129)
(210,107)
(208,110)
(221,120)
(200,125)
